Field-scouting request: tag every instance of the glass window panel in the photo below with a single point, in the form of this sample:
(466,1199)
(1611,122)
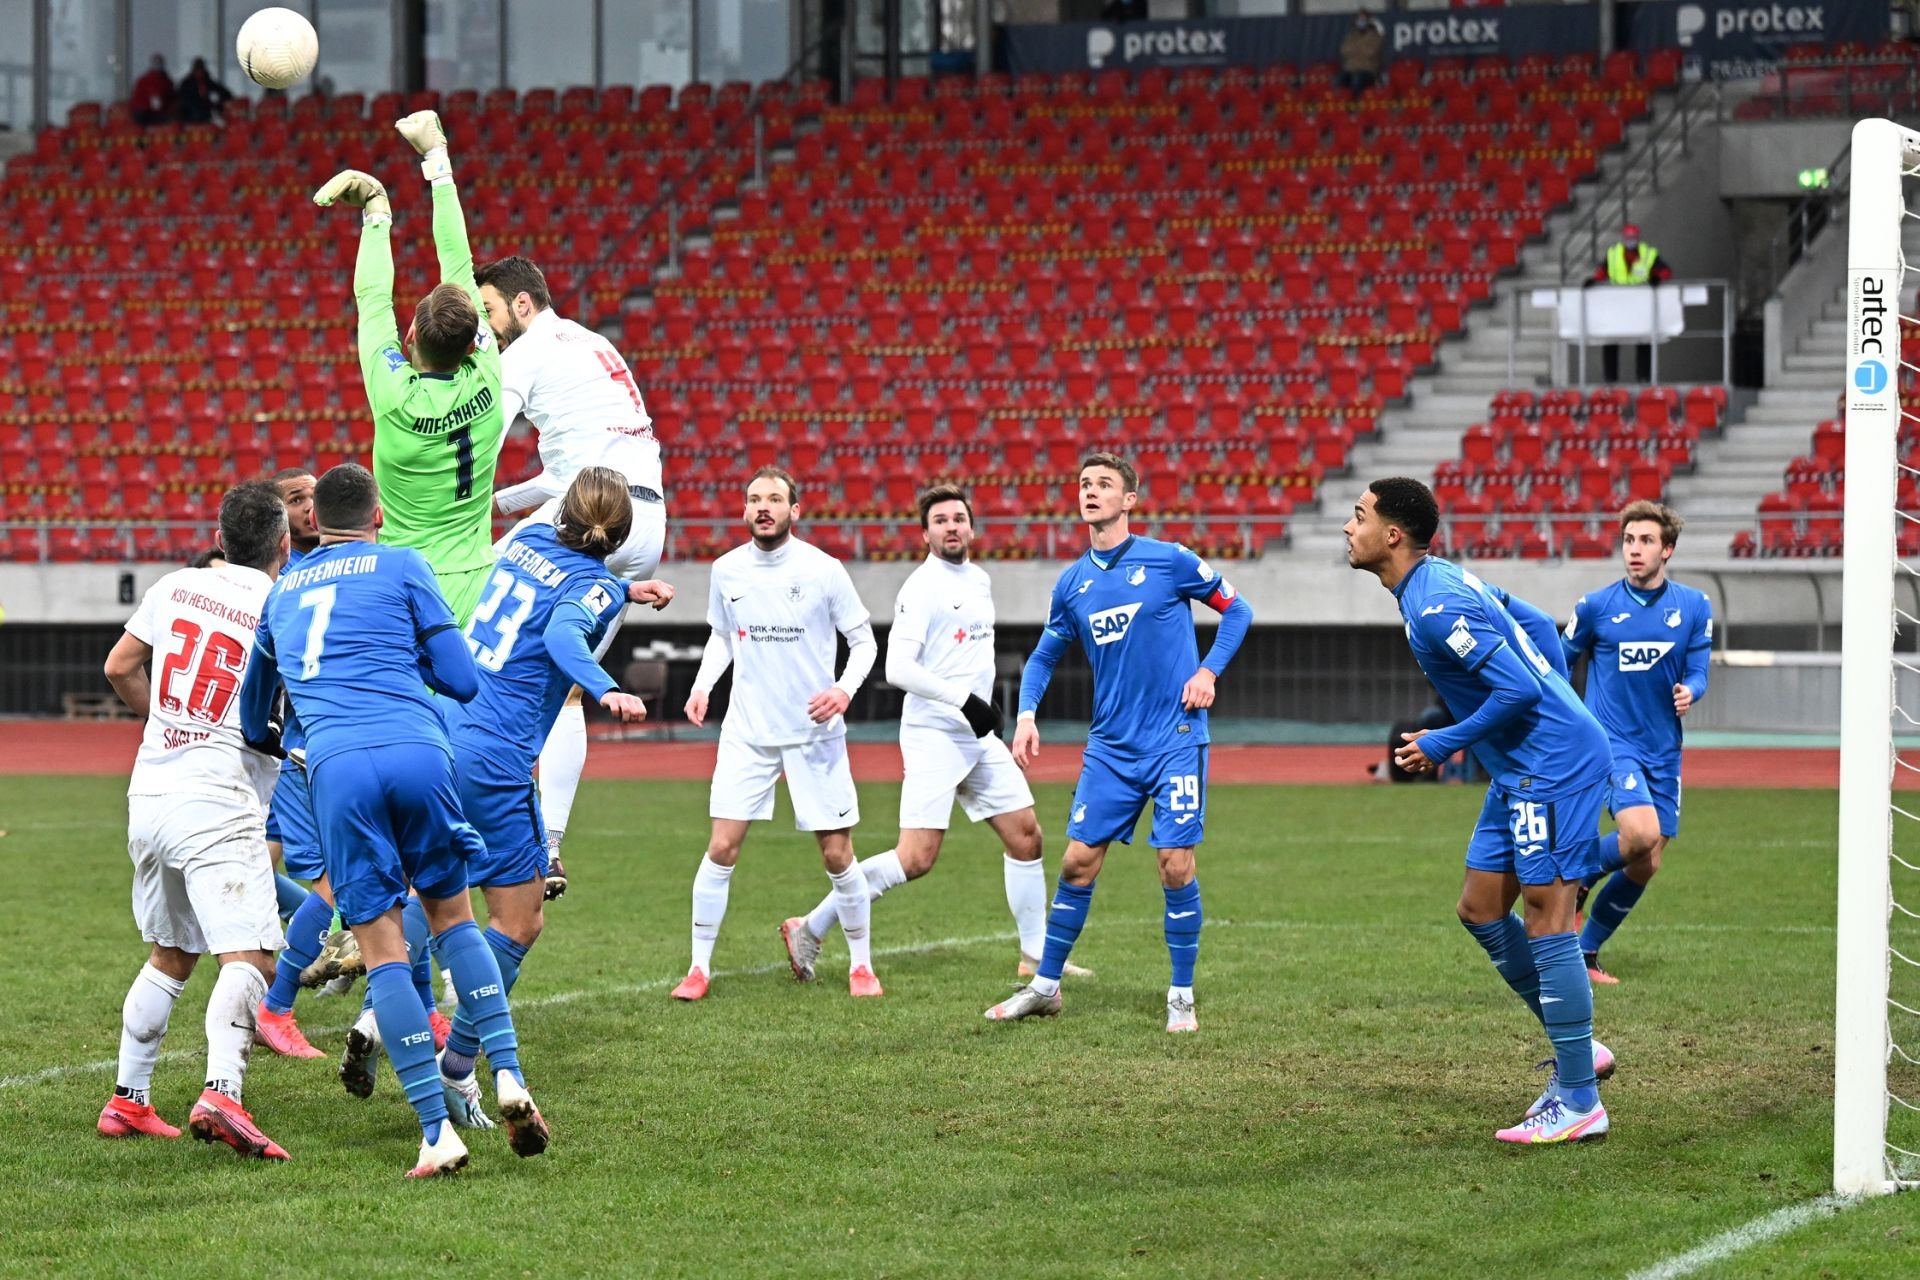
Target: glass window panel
(463,44)
(648,42)
(177,30)
(82,36)
(549,43)
(16,64)
(745,40)
(356,45)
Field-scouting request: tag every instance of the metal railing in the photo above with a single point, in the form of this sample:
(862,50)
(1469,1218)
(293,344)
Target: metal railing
(1837,87)
(1574,351)
(1668,143)
(1810,216)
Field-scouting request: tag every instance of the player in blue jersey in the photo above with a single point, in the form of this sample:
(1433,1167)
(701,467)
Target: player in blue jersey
(353,633)
(1548,759)
(1126,602)
(547,605)
(1649,638)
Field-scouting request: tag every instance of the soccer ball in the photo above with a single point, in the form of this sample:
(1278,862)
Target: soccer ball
(277,48)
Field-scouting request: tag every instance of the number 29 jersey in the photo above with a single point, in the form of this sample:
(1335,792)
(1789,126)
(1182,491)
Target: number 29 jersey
(200,624)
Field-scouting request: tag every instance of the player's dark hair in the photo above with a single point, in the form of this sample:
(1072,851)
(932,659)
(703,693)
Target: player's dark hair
(253,520)
(597,514)
(1666,517)
(784,476)
(344,499)
(444,327)
(514,276)
(285,474)
(1129,478)
(1408,503)
(206,559)
(934,495)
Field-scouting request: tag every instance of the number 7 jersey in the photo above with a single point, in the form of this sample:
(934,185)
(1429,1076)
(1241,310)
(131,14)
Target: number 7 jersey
(200,624)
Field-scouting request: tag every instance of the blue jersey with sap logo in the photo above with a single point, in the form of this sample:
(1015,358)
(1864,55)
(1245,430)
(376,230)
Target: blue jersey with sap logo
(1643,644)
(541,613)
(1522,721)
(347,632)
(1128,609)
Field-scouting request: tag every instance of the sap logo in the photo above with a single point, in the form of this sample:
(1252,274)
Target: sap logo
(1178,42)
(1136,575)
(1870,377)
(1673,617)
(1641,657)
(1413,33)
(1111,624)
(1756,20)
(1461,640)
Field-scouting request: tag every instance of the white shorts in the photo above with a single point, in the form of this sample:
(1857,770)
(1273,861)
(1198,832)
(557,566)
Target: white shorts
(819,781)
(636,559)
(940,768)
(202,876)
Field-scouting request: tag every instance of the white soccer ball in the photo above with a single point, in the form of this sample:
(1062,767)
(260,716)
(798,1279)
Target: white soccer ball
(277,48)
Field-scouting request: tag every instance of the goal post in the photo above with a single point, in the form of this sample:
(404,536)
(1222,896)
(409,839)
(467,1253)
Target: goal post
(1864,1038)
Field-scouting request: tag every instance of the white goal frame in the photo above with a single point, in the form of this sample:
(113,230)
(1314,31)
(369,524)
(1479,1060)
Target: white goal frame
(1883,153)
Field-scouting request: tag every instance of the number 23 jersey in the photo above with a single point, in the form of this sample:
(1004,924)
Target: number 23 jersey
(200,624)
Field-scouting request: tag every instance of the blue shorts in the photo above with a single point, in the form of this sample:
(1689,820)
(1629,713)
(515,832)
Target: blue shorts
(290,821)
(504,807)
(1539,841)
(1113,790)
(1636,783)
(389,818)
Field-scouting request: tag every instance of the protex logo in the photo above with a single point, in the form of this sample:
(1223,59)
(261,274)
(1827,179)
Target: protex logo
(1163,44)
(1790,21)
(1641,657)
(1873,341)
(1111,624)
(1445,33)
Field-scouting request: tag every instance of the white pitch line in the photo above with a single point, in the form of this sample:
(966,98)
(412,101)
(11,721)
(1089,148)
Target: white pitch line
(558,997)
(1742,1238)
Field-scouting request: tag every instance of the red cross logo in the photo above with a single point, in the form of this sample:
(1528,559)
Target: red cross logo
(743,633)
(960,635)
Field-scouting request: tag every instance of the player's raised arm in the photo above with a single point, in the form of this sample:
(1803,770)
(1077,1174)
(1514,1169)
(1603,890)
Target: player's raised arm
(1461,627)
(384,365)
(424,134)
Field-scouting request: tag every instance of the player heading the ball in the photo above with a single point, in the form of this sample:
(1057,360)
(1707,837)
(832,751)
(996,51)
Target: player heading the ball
(435,395)
(1127,603)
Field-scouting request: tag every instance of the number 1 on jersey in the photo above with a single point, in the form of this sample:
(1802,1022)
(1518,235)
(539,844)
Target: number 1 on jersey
(462,441)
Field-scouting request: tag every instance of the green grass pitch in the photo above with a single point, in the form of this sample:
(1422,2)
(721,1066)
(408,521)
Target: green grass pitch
(1333,1117)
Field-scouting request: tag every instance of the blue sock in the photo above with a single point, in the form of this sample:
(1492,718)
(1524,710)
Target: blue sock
(288,894)
(1608,910)
(306,933)
(409,1042)
(464,1045)
(1610,859)
(413,919)
(1505,942)
(1566,1007)
(1183,930)
(483,996)
(1065,918)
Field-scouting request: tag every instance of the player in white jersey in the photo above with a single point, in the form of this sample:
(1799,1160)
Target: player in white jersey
(940,654)
(774,606)
(575,387)
(196,822)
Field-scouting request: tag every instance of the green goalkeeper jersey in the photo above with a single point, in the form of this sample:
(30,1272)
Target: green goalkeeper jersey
(436,436)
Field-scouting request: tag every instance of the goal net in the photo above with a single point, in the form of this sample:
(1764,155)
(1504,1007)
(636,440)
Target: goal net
(1876,1113)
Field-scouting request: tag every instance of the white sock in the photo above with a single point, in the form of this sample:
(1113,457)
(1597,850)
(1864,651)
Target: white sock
(709,909)
(143,1024)
(883,871)
(1180,993)
(562,761)
(850,898)
(1027,899)
(1044,986)
(237,992)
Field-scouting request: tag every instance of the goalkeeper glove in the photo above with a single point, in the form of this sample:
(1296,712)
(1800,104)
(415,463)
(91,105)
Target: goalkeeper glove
(982,716)
(361,190)
(423,132)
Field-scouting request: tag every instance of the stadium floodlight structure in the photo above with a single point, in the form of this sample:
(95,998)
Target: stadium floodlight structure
(1876,1110)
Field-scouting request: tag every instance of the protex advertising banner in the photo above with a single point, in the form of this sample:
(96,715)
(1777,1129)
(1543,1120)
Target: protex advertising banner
(1294,41)
(1742,39)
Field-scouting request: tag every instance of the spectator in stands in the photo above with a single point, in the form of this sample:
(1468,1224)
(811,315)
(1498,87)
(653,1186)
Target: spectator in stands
(1630,262)
(200,96)
(1361,52)
(152,99)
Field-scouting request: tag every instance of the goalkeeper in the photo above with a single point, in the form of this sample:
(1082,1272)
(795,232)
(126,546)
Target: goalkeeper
(437,420)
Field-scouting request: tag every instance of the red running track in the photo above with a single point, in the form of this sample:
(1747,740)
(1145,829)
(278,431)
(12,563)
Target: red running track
(97,748)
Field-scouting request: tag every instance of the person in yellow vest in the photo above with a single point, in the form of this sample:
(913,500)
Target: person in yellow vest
(1630,262)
